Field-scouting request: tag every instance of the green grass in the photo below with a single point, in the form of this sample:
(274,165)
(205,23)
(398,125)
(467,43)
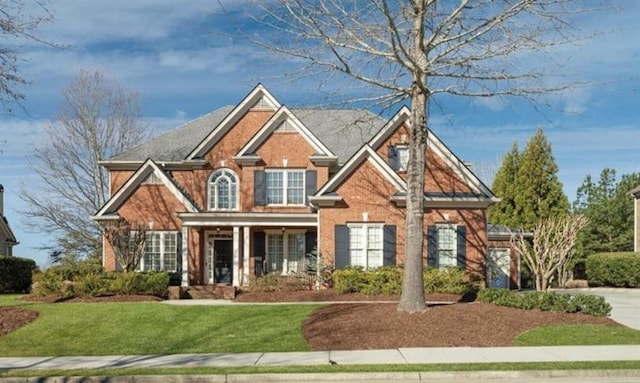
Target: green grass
(565,335)
(155,328)
(531,366)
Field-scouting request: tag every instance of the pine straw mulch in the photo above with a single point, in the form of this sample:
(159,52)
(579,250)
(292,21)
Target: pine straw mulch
(450,321)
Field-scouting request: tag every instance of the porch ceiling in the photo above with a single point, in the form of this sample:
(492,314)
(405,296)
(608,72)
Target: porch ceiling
(248,219)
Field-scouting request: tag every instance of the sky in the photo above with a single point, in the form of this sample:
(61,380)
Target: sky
(183,60)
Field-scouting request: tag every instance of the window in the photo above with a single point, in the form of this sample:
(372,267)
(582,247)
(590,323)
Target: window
(160,251)
(403,157)
(365,245)
(285,187)
(223,190)
(447,245)
(285,252)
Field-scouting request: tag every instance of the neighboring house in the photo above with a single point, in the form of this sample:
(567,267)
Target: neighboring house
(7,238)
(635,193)
(250,189)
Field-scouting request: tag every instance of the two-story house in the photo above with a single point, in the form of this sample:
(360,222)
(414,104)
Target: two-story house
(7,238)
(250,189)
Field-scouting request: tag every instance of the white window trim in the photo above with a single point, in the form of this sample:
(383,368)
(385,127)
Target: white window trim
(285,246)
(285,179)
(162,250)
(211,189)
(453,227)
(365,246)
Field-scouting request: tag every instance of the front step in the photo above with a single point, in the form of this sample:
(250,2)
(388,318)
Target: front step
(219,291)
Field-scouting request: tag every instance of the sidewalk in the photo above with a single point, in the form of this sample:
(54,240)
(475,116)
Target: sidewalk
(435,355)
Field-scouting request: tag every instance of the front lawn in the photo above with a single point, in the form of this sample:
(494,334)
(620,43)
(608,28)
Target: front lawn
(155,328)
(585,334)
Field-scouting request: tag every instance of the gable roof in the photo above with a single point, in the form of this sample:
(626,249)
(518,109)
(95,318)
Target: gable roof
(6,229)
(366,153)
(479,189)
(108,211)
(283,115)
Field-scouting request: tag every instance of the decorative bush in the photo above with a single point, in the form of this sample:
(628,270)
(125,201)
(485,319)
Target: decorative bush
(547,301)
(16,274)
(277,282)
(613,269)
(388,280)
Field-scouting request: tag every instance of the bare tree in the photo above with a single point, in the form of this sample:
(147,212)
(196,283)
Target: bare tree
(409,51)
(99,119)
(127,241)
(17,28)
(551,248)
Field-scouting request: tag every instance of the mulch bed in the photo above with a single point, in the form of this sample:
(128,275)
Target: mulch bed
(450,321)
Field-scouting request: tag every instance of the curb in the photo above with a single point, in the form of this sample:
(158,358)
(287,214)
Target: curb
(418,377)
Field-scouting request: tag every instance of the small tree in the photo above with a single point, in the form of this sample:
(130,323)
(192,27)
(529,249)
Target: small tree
(127,241)
(553,241)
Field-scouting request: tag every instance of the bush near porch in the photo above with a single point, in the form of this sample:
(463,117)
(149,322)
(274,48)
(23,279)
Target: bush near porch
(613,269)
(88,279)
(388,281)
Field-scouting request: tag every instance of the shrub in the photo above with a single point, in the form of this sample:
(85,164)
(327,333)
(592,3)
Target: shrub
(451,280)
(70,271)
(546,301)
(277,282)
(16,274)
(349,280)
(152,283)
(383,280)
(91,285)
(155,283)
(47,284)
(613,269)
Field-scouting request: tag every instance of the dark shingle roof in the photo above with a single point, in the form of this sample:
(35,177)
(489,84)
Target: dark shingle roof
(343,131)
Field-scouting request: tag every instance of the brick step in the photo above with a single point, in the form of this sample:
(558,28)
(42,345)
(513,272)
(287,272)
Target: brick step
(219,291)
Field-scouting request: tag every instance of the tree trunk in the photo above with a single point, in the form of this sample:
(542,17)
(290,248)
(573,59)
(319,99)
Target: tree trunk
(412,298)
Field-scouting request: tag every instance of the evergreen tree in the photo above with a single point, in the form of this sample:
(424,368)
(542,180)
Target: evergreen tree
(609,208)
(504,186)
(539,193)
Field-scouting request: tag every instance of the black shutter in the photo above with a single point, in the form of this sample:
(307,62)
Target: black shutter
(461,254)
(259,252)
(432,246)
(389,245)
(179,253)
(310,241)
(392,157)
(341,246)
(259,188)
(310,178)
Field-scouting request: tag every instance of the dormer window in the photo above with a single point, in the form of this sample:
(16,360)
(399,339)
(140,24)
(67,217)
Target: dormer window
(223,190)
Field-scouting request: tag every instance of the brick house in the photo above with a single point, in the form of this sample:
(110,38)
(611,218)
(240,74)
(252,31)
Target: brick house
(7,238)
(250,189)
(635,193)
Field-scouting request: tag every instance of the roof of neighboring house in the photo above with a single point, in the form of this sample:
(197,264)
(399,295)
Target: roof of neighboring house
(501,232)
(636,192)
(6,229)
(343,131)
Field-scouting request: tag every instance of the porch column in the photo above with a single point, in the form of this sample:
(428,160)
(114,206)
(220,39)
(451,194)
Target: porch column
(246,235)
(236,256)
(185,256)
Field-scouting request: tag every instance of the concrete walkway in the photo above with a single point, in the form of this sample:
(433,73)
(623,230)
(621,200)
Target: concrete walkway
(435,355)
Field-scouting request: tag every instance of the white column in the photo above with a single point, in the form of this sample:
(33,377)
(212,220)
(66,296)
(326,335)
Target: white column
(236,256)
(185,256)
(245,255)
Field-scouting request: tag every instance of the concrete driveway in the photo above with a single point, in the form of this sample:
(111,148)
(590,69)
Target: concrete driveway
(625,303)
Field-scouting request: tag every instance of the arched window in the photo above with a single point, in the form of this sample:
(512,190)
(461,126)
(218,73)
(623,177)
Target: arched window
(223,190)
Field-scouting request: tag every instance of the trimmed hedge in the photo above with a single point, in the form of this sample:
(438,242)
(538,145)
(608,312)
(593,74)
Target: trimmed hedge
(613,269)
(16,274)
(546,301)
(88,279)
(388,281)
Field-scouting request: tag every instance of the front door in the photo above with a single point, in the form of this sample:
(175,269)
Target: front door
(220,260)
(498,266)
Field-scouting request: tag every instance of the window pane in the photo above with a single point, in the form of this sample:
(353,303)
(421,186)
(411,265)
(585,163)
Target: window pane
(223,193)
(223,189)
(447,246)
(152,252)
(275,252)
(274,188)
(356,246)
(374,246)
(170,251)
(295,252)
(403,157)
(295,188)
